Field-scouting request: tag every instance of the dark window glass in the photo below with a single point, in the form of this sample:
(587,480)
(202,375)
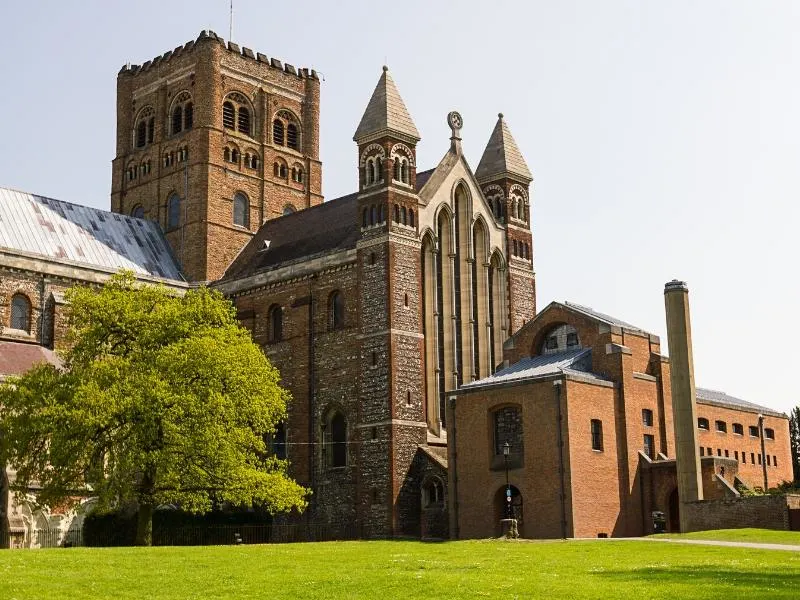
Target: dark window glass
(753,431)
(177,119)
(508,428)
(702,423)
(597,434)
(572,339)
(20,313)
(650,446)
(769,434)
(151,130)
(141,134)
(173,211)
(336,309)
(188,116)
(647,417)
(552,343)
(241,212)
(721,426)
(276,324)
(738,429)
(338,440)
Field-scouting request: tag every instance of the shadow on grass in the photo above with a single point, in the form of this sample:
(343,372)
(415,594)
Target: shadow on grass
(707,575)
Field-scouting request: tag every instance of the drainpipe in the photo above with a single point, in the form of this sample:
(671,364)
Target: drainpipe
(560,441)
(763,450)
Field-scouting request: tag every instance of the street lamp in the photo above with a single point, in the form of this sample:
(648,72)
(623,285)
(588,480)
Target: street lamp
(506,452)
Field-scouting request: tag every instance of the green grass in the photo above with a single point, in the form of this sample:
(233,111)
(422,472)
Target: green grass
(761,536)
(388,570)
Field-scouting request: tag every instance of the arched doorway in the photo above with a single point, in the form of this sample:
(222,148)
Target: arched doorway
(504,509)
(674,523)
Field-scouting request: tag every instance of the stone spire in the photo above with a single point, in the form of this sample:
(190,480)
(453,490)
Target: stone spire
(502,156)
(386,114)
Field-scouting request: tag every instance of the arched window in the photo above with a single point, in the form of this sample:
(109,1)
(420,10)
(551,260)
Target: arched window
(235,156)
(397,169)
(369,172)
(289,209)
(336,310)
(378,169)
(277,132)
(432,493)
(291,136)
(559,339)
(251,160)
(226,154)
(241,210)
(299,175)
(138,211)
(182,113)
(335,441)
(177,119)
(144,128)
(404,171)
(21,313)
(228,116)
(275,323)
(283,171)
(173,211)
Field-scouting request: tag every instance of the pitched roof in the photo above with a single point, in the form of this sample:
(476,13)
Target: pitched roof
(502,155)
(714,397)
(87,236)
(17,357)
(578,360)
(590,312)
(328,227)
(386,112)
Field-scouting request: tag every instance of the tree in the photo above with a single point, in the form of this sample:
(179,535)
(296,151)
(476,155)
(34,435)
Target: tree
(794,438)
(161,399)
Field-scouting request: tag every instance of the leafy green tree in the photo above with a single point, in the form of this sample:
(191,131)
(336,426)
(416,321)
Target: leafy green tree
(794,438)
(161,399)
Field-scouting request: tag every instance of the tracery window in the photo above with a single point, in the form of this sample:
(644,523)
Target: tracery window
(507,423)
(21,312)
(236,113)
(182,113)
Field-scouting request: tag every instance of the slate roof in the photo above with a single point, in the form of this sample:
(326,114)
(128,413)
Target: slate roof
(422,178)
(601,316)
(329,227)
(569,361)
(386,112)
(502,155)
(16,357)
(714,397)
(87,236)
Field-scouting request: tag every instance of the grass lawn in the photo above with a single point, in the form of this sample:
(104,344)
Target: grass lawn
(388,570)
(761,536)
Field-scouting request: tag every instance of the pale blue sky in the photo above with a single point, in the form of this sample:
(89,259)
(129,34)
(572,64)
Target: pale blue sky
(664,137)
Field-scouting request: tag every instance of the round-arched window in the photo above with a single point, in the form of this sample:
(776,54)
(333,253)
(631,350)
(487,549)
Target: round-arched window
(561,338)
(21,313)
(241,212)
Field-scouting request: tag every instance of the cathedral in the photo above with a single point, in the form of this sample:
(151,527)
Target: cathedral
(383,309)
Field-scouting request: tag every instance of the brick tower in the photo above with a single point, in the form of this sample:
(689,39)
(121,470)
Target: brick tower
(505,180)
(213,140)
(391,420)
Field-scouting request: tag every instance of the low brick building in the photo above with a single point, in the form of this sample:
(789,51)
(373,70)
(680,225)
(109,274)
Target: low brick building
(586,408)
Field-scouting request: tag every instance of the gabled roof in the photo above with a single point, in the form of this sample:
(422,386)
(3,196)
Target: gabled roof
(386,113)
(81,235)
(328,227)
(502,155)
(17,357)
(714,397)
(543,365)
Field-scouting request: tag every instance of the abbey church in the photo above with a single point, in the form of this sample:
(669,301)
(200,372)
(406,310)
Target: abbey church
(384,310)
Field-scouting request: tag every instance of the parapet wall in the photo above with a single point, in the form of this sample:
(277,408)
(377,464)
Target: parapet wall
(765,512)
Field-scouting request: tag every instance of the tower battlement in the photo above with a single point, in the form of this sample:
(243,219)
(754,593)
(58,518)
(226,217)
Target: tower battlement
(208,36)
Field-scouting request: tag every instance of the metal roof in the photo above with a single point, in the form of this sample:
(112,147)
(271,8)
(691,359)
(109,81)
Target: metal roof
(69,232)
(706,396)
(601,316)
(578,360)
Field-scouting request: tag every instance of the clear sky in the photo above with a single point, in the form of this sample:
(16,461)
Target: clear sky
(664,137)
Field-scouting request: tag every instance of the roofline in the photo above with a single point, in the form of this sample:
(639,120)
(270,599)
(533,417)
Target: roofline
(569,375)
(731,406)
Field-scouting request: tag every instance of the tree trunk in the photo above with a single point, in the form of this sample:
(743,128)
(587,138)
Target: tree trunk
(144,525)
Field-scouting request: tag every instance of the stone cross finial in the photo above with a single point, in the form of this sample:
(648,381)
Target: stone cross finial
(455,122)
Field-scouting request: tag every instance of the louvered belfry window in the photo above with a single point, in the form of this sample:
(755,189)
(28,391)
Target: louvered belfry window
(228,118)
(277,132)
(291,136)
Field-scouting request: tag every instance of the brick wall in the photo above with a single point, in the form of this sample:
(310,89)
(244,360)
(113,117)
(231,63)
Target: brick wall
(767,512)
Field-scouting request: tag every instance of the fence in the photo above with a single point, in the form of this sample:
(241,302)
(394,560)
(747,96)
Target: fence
(198,535)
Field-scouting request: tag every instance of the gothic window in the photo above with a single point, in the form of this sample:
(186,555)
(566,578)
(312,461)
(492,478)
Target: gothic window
(21,313)
(228,116)
(138,211)
(291,136)
(336,310)
(236,113)
(182,113)
(241,210)
(144,129)
(597,434)
(289,209)
(277,132)
(334,440)
(173,211)
(275,323)
(433,493)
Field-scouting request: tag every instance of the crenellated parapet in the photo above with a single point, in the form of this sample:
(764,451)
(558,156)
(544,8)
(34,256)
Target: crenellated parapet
(208,36)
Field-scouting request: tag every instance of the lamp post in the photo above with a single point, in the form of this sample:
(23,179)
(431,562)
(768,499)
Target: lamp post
(506,452)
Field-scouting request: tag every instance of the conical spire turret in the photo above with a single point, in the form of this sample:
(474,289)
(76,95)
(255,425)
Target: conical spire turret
(502,156)
(386,114)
